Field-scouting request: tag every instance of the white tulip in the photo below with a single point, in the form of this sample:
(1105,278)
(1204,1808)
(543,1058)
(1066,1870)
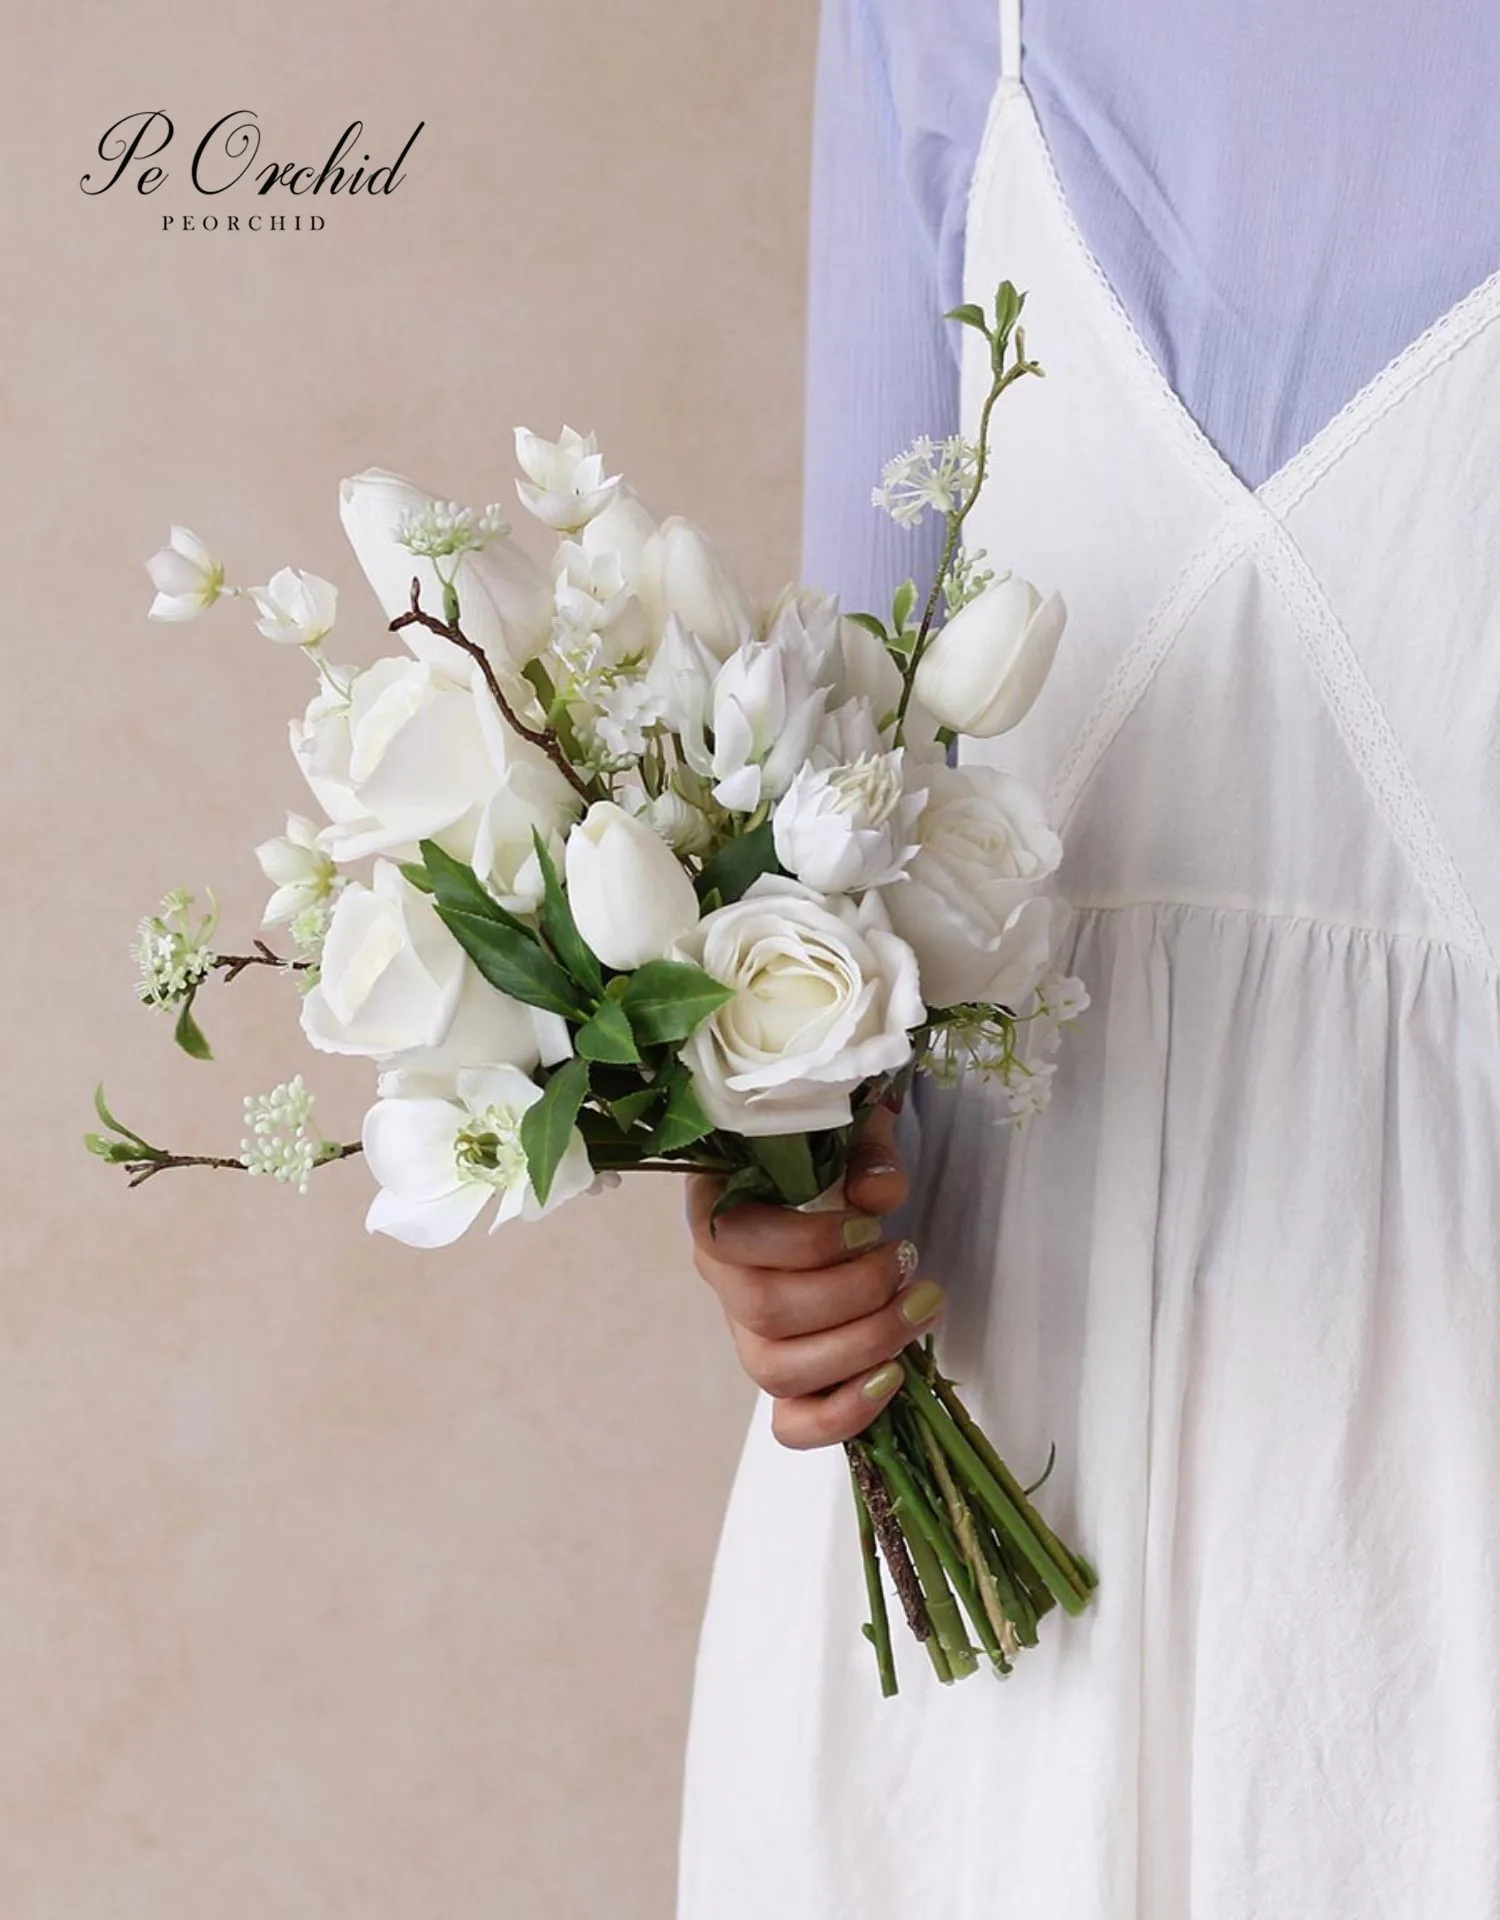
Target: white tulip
(391,972)
(622,528)
(296,608)
(529,800)
(505,599)
(825,997)
(440,1162)
(301,872)
(983,670)
(682,572)
(844,828)
(630,896)
(565,485)
(767,711)
(970,905)
(186,576)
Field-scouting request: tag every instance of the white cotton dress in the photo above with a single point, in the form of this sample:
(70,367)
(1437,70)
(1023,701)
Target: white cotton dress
(1245,1271)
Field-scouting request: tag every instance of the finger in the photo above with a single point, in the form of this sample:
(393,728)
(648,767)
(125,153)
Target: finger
(825,1419)
(761,1236)
(814,1362)
(779,1305)
(876,1180)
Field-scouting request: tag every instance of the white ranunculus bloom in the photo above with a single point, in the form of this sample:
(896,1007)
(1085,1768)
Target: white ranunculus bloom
(630,896)
(970,905)
(186,576)
(841,829)
(825,997)
(565,484)
(505,599)
(767,710)
(528,800)
(983,670)
(440,1162)
(391,972)
(298,868)
(682,572)
(296,608)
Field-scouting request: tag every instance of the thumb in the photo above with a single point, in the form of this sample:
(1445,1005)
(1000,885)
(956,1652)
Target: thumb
(875,1180)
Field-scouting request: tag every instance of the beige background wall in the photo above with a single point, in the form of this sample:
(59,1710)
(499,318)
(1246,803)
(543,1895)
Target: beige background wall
(338,1580)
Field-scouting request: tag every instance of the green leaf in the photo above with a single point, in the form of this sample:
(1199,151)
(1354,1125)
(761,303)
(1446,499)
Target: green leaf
(109,1120)
(189,1035)
(458,889)
(739,864)
(945,736)
(510,958)
(870,624)
(416,876)
(902,604)
(115,1151)
(631,1107)
(607,1035)
(1008,305)
(667,999)
(547,1127)
(969,315)
(684,1120)
(787,1160)
(748,1183)
(562,930)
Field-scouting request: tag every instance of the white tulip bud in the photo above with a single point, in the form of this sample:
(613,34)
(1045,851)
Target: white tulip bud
(684,573)
(984,669)
(630,897)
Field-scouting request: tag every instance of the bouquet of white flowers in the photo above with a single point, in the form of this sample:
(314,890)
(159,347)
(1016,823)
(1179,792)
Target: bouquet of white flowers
(657,880)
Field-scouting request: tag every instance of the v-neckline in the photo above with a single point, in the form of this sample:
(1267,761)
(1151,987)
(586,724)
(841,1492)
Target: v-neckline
(1444,335)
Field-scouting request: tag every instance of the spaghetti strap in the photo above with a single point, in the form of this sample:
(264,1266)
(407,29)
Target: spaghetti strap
(1010,39)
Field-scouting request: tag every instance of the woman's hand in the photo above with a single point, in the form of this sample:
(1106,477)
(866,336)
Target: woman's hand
(819,1303)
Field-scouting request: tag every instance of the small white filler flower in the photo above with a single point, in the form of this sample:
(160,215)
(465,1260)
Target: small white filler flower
(296,609)
(281,1141)
(187,577)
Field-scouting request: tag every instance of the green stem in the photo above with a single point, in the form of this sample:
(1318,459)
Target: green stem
(995,1627)
(880,1625)
(923,1540)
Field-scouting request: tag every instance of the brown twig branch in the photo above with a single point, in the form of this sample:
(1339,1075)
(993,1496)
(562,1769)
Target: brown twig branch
(542,737)
(234,964)
(892,1540)
(142,1169)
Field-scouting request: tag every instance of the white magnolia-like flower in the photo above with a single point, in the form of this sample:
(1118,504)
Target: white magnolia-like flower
(296,608)
(825,997)
(767,710)
(187,577)
(301,872)
(440,1162)
(631,897)
(683,574)
(505,599)
(841,829)
(931,476)
(970,905)
(983,670)
(438,529)
(565,484)
(173,951)
(529,800)
(590,588)
(391,974)
(281,1141)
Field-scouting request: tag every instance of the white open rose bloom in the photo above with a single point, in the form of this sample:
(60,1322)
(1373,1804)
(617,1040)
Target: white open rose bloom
(440,1162)
(631,897)
(505,599)
(529,800)
(971,904)
(843,828)
(296,608)
(391,972)
(565,484)
(683,574)
(186,576)
(825,996)
(980,674)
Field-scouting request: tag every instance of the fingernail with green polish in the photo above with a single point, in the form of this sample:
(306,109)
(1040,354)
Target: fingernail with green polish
(885,1382)
(862,1230)
(921,1302)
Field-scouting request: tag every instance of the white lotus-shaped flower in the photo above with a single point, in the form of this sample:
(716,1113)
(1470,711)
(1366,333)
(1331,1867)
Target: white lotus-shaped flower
(844,828)
(767,710)
(440,1162)
(296,608)
(565,485)
(187,577)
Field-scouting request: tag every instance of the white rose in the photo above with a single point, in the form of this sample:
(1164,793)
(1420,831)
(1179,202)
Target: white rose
(970,905)
(844,828)
(296,608)
(825,999)
(186,576)
(682,572)
(505,599)
(391,972)
(440,1162)
(982,671)
(529,800)
(630,896)
(767,711)
(565,485)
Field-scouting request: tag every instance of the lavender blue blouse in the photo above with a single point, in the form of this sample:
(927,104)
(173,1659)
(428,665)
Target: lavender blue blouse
(1282,194)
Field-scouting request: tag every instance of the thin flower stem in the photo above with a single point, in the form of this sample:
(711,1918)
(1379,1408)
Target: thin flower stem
(234,964)
(160,1161)
(893,1542)
(1000,1643)
(542,737)
(880,1623)
(923,1541)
